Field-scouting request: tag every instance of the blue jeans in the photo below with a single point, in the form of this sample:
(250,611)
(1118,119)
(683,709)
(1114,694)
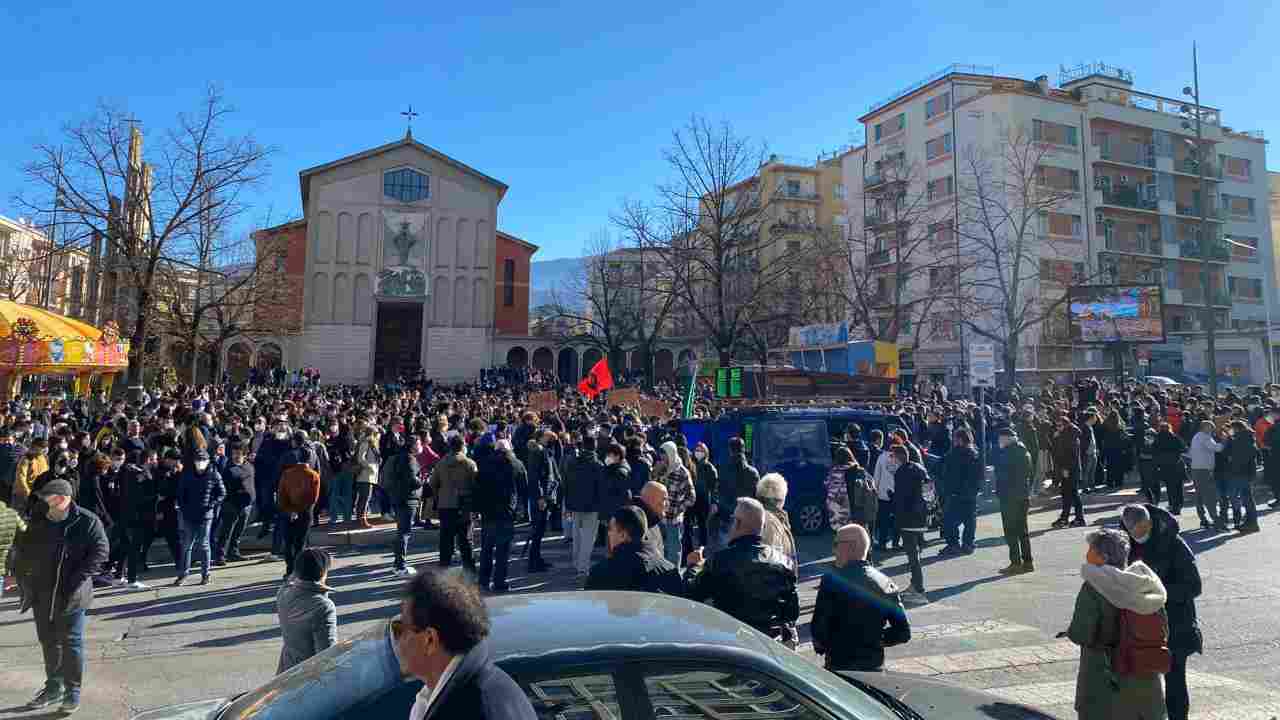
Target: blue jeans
(341,497)
(62,642)
(1242,490)
(193,534)
(956,512)
(671,542)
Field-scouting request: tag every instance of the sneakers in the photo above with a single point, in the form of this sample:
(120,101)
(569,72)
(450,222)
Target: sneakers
(1059,524)
(139,585)
(45,698)
(1078,522)
(404,572)
(204,579)
(950,550)
(70,703)
(177,582)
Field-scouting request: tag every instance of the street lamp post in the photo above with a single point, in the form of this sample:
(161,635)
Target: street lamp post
(1205,245)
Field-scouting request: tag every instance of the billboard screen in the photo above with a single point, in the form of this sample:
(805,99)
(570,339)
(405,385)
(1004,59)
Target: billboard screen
(1115,313)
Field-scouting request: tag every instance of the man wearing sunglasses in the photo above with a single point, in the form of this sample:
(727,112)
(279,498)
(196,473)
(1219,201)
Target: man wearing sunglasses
(858,612)
(441,640)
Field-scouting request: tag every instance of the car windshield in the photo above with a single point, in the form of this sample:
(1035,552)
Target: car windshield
(787,444)
(366,663)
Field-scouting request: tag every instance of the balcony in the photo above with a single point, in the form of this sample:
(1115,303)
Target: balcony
(1196,296)
(788,226)
(1130,153)
(872,180)
(1213,212)
(1134,243)
(1129,197)
(786,194)
(1217,251)
(1188,166)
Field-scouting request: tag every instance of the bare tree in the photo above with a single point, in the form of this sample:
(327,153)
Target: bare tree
(18,273)
(1006,190)
(709,227)
(904,264)
(593,306)
(150,208)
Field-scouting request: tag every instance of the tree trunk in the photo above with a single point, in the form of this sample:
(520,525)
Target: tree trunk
(1010,362)
(138,342)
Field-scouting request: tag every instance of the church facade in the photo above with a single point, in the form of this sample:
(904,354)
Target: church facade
(400,269)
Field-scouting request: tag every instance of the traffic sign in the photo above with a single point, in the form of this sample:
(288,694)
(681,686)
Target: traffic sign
(982,365)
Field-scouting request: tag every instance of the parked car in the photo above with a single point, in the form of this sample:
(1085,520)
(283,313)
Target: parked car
(633,656)
(1160,380)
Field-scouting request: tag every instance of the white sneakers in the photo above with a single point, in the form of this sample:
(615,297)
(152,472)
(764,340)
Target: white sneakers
(139,585)
(405,572)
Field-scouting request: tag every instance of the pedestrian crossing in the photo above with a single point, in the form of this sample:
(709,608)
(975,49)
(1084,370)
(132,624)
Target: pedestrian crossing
(1030,668)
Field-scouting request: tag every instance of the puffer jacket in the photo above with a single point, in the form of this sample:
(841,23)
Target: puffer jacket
(308,621)
(750,581)
(368,458)
(200,494)
(10,525)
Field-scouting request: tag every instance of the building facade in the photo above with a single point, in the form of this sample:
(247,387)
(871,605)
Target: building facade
(1126,166)
(396,266)
(32,274)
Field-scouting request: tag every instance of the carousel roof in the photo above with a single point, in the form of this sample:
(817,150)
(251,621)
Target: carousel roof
(34,340)
(48,324)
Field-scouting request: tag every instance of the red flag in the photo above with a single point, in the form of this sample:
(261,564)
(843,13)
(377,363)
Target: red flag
(597,380)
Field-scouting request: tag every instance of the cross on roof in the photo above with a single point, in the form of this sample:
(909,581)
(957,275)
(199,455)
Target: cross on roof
(409,115)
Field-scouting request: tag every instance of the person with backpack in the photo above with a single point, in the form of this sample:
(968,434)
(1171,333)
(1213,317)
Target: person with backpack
(297,497)
(851,494)
(1121,628)
(1156,542)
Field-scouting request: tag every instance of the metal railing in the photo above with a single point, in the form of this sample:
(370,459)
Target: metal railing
(1188,166)
(1132,242)
(1143,154)
(798,194)
(957,68)
(1130,198)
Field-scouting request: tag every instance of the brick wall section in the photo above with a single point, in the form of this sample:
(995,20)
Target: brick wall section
(512,319)
(280,307)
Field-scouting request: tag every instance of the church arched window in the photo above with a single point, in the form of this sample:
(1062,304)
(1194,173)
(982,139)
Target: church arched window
(406,185)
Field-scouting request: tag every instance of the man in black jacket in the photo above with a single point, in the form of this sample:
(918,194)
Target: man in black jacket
(858,612)
(1013,486)
(584,492)
(441,640)
(236,506)
(738,479)
(60,554)
(749,580)
(617,478)
(500,483)
(962,476)
(138,513)
(1154,539)
(631,565)
(544,488)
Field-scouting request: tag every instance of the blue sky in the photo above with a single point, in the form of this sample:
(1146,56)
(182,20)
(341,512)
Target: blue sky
(571,104)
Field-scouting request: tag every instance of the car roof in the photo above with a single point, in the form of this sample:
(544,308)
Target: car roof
(809,413)
(532,625)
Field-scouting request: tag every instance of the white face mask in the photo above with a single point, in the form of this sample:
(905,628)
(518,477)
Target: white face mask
(282,434)
(117,464)
(700,455)
(201,465)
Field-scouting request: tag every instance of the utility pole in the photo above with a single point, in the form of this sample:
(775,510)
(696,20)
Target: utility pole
(1205,244)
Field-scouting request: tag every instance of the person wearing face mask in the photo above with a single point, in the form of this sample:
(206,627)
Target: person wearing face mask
(32,466)
(236,507)
(1156,541)
(705,482)
(266,476)
(200,493)
(58,557)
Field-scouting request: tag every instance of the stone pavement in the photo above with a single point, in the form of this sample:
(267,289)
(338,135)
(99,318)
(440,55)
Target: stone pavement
(169,645)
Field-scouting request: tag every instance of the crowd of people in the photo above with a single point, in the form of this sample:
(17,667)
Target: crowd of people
(87,486)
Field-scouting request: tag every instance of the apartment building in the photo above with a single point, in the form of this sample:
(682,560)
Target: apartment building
(1130,213)
(30,275)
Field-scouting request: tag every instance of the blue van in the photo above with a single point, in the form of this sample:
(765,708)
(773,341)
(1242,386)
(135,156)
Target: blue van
(795,442)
